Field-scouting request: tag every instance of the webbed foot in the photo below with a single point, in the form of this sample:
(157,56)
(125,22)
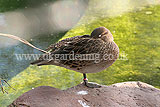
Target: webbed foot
(91,84)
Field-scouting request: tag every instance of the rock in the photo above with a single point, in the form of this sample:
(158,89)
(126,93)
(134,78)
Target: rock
(126,94)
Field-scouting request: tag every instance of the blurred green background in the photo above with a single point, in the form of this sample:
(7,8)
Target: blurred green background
(135,25)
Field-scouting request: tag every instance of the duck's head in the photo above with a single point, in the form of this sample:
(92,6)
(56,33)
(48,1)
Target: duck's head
(102,33)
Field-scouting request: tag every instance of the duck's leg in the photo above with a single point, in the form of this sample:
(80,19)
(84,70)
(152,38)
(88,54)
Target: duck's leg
(85,80)
(89,84)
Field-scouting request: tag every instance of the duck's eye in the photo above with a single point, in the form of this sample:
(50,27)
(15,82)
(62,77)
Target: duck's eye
(99,35)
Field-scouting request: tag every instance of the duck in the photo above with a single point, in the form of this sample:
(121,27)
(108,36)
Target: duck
(85,54)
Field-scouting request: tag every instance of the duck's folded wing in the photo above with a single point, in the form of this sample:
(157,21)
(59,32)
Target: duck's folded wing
(61,52)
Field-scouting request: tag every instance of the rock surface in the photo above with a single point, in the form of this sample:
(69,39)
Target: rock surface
(127,94)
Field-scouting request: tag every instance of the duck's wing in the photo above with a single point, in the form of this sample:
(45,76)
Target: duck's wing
(62,47)
(63,53)
(55,46)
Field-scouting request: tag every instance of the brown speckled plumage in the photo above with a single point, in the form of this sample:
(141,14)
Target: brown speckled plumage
(83,45)
(100,42)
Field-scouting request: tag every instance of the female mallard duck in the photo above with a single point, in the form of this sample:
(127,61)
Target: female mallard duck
(85,54)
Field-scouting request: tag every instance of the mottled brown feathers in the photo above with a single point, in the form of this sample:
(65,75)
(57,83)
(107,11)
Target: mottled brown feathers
(83,45)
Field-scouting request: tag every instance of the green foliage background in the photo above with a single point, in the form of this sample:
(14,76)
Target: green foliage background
(136,32)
